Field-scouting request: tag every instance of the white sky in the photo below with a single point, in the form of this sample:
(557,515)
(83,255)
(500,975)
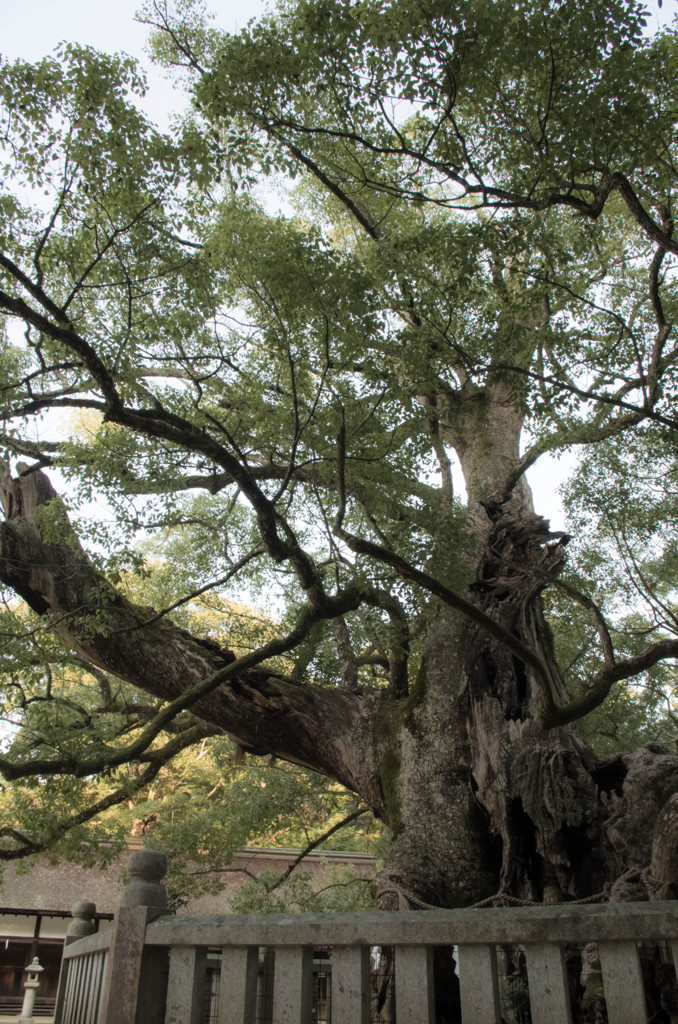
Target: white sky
(31,28)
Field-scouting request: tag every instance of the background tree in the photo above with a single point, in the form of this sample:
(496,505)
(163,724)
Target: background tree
(477,257)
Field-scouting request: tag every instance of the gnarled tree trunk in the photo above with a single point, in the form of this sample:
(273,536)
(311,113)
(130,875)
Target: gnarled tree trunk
(480,798)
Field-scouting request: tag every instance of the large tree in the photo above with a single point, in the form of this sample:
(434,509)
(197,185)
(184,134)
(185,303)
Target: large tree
(386,238)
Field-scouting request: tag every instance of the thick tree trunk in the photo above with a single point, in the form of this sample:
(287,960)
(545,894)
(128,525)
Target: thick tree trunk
(537,786)
(479,797)
(441,850)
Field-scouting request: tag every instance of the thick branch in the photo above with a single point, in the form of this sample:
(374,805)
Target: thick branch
(485,195)
(320,728)
(606,678)
(63,332)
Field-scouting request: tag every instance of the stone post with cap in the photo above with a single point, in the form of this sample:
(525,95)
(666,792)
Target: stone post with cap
(81,925)
(82,922)
(136,977)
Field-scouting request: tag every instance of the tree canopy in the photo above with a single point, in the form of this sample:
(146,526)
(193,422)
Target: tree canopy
(384,241)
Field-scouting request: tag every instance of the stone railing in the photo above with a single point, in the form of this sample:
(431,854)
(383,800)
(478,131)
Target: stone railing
(151,967)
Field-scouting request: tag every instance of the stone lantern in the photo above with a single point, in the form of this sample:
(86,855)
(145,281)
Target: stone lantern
(32,972)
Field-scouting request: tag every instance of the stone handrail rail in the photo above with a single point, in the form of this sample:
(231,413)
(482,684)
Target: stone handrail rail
(156,964)
(607,922)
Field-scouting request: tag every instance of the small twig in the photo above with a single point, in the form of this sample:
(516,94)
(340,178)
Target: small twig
(312,846)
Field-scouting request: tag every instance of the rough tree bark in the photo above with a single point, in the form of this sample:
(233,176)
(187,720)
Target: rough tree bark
(480,797)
